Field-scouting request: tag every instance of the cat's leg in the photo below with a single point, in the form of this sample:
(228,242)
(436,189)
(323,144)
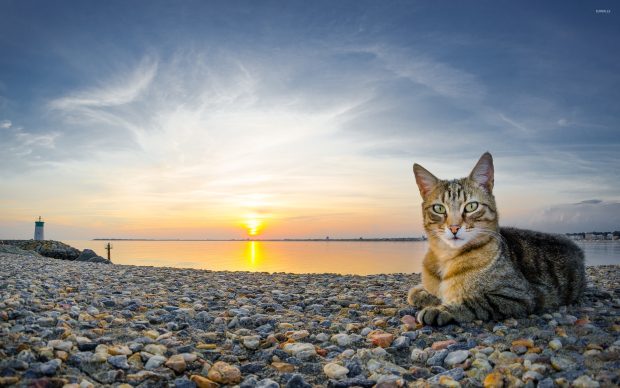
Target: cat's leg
(419,297)
(425,294)
(493,305)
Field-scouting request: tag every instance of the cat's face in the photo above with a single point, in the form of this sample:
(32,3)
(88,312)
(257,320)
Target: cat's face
(461,211)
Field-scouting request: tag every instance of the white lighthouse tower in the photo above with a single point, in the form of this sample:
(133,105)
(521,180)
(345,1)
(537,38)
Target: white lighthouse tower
(38,229)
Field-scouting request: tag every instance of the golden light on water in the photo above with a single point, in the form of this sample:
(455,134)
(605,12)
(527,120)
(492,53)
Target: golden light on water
(253,254)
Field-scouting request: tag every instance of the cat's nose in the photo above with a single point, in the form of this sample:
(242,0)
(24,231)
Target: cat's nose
(454,229)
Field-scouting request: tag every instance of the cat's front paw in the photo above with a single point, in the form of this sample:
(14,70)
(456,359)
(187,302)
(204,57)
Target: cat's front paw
(419,297)
(435,315)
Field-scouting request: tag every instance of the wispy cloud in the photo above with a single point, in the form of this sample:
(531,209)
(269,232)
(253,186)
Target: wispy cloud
(120,90)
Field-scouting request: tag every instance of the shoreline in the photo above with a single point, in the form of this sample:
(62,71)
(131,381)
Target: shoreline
(65,322)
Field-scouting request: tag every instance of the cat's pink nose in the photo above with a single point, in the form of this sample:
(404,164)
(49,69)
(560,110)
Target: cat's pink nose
(454,228)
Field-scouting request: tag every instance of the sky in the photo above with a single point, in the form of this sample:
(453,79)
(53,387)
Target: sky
(292,119)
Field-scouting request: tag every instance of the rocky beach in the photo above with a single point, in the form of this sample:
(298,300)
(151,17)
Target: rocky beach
(80,324)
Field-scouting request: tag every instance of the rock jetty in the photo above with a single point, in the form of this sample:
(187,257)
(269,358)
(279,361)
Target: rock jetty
(75,324)
(52,249)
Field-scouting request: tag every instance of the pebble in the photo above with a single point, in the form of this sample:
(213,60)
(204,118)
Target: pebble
(154,362)
(335,371)
(186,327)
(341,339)
(176,363)
(224,373)
(119,361)
(251,341)
(555,344)
(456,357)
(561,363)
(437,358)
(301,350)
(203,382)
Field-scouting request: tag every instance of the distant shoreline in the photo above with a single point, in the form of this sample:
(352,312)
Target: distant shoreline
(395,239)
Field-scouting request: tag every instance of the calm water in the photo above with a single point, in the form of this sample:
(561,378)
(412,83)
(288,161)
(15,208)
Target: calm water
(361,258)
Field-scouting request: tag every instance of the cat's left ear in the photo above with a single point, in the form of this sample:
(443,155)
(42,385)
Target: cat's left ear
(483,173)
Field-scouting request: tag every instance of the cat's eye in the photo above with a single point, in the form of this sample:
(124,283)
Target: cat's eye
(439,209)
(470,207)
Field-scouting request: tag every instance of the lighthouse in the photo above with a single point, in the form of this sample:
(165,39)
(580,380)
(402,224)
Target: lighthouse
(38,229)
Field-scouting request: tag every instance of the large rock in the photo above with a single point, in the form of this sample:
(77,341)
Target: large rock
(90,256)
(47,248)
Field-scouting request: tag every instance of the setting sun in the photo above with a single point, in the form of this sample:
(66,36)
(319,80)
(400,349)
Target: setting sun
(253,225)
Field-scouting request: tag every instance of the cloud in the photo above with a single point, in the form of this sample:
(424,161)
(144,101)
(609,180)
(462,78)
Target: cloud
(585,216)
(5,124)
(125,89)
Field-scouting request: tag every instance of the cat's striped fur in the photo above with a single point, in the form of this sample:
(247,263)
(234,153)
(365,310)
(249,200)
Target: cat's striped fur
(476,270)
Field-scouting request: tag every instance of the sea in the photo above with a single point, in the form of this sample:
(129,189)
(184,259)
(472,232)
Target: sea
(341,257)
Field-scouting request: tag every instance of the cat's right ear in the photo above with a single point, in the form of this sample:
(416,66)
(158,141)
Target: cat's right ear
(425,180)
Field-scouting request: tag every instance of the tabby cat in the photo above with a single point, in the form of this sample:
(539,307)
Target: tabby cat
(475,270)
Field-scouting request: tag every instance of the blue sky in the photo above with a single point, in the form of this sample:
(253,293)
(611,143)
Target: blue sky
(193,119)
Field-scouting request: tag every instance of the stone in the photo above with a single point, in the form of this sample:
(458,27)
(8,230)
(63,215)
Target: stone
(119,362)
(439,345)
(176,363)
(135,361)
(585,381)
(555,344)
(296,381)
(561,363)
(437,358)
(203,382)
(335,371)
(251,342)
(283,367)
(154,362)
(380,338)
(456,357)
(341,339)
(401,342)
(60,345)
(301,350)
(119,350)
(224,373)
(297,335)
(525,342)
(49,368)
(493,380)
(157,349)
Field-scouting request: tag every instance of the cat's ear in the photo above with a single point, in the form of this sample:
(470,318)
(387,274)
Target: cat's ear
(425,180)
(483,173)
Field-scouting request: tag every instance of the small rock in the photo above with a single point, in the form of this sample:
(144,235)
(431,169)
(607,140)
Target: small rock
(203,382)
(456,357)
(119,362)
(439,345)
(49,368)
(585,382)
(341,339)
(222,372)
(380,338)
(301,350)
(176,363)
(555,344)
(437,358)
(561,363)
(493,380)
(251,342)
(283,367)
(335,371)
(154,362)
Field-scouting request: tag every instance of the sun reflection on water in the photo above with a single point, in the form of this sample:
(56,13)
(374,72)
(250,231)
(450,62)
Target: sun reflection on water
(253,254)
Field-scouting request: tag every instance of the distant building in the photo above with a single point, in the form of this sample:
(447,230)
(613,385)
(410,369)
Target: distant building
(38,230)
